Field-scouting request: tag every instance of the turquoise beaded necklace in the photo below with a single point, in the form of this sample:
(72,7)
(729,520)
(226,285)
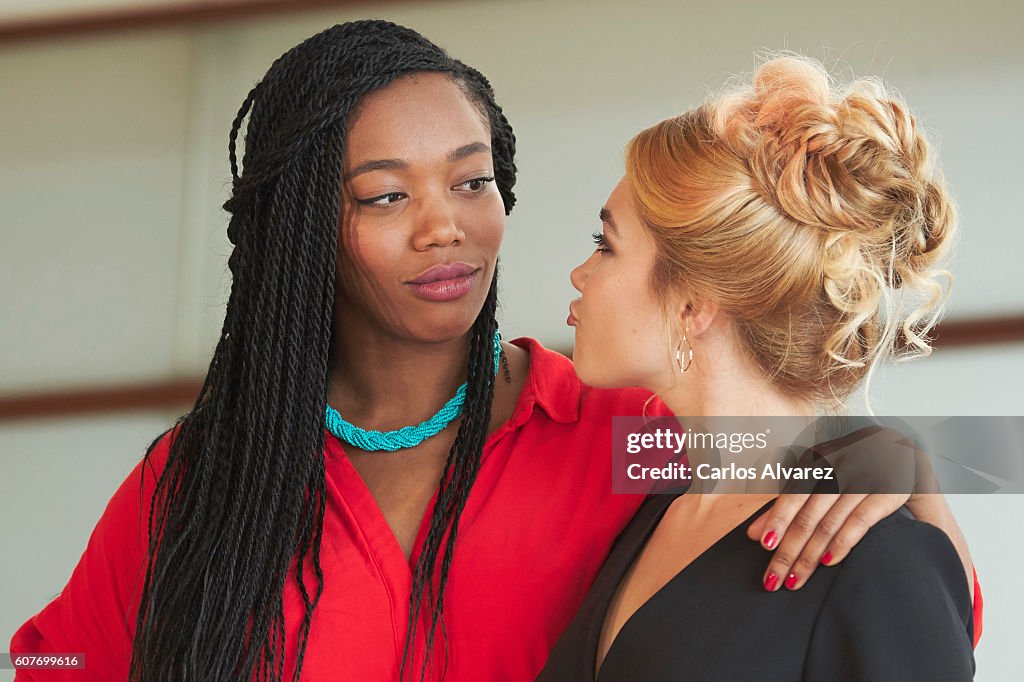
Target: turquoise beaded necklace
(407,436)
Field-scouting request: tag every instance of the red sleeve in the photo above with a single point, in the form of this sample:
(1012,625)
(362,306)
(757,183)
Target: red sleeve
(95,612)
(979,607)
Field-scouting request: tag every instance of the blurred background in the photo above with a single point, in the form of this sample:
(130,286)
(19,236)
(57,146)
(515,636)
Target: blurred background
(114,116)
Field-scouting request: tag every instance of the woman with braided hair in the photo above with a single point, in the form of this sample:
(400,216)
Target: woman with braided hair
(454,531)
(764,233)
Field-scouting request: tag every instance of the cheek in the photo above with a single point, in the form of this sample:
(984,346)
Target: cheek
(624,341)
(367,258)
(637,322)
(488,221)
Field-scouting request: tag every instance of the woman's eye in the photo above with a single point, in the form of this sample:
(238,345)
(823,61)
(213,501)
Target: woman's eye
(382,200)
(601,242)
(476,184)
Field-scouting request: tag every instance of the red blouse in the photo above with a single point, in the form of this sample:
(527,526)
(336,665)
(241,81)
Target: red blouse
(527,552)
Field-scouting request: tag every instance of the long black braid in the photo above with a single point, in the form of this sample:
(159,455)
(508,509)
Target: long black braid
(241,498)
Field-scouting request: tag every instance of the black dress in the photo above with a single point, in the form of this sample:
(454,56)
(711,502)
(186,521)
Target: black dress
(897,608)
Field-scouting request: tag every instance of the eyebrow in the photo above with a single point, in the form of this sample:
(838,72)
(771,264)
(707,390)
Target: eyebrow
(468,150)
(606,218)
(375,165)
(397,164)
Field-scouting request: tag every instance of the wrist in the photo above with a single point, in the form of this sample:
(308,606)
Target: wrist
(931,508)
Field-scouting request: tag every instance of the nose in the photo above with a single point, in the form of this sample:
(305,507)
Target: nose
(580,274)
(437,225)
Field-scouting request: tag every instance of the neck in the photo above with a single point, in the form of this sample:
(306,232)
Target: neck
(381,381)
(724,383)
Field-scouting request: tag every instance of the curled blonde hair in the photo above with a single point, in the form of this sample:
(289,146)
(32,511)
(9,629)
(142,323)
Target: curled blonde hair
(805,210)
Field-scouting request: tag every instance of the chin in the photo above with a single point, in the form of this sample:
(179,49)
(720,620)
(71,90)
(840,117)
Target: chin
(598,372)
(585,371)
(450,326)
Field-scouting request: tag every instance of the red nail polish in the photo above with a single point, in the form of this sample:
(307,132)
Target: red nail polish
(770,539)
(826,558)
(791,581)
(770,582)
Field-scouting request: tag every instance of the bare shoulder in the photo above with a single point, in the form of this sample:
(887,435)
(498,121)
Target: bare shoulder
(507,387)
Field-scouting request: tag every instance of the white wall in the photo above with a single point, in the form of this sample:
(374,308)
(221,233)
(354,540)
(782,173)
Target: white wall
(34,10)
(113,166)
(92,177)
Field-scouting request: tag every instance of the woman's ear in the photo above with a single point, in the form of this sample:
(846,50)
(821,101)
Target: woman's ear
(698,317)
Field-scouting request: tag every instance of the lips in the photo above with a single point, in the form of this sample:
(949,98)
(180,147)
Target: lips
(439,273)
(572,320)
(446,282)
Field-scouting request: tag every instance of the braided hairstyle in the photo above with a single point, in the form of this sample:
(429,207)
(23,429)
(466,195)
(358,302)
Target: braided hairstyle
(814,213)
(240,502)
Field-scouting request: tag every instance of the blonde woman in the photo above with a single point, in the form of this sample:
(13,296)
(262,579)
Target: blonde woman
(742,270)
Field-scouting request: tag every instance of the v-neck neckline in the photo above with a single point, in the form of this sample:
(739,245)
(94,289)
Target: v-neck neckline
(380,539)
(594,673)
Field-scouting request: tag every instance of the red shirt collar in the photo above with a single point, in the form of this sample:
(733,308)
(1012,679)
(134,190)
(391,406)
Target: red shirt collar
(551,384)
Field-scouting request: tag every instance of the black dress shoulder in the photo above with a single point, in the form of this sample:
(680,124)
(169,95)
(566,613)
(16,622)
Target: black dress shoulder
(897,608)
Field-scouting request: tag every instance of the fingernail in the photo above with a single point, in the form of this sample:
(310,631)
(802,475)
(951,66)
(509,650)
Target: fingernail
(771,582)
(770,539)
(826,558)
(791,581)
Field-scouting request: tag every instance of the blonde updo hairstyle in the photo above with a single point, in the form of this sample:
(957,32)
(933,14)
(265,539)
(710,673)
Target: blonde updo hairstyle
(806,211)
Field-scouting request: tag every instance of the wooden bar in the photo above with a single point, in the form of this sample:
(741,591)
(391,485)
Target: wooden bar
(157,395)
(180,394)
(956,333)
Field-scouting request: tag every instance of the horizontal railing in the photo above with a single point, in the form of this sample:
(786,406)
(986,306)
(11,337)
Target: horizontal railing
(180,393)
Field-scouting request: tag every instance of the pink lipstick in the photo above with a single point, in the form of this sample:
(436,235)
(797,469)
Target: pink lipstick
(444,282)
(571,320)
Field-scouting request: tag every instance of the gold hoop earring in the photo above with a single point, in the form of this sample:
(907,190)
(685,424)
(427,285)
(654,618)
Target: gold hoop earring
(684,359)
